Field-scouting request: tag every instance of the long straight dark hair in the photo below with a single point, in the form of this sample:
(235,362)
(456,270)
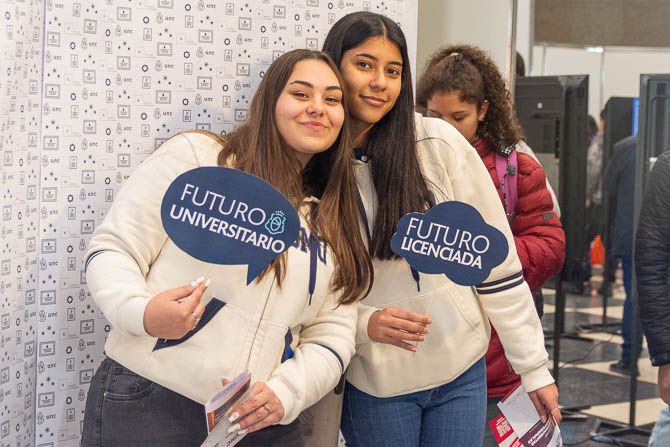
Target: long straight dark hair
(396,173)
(257,147)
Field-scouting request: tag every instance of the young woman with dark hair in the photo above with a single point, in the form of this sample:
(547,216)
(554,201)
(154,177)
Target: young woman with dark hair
(419,377)
(463,86)
(293,328)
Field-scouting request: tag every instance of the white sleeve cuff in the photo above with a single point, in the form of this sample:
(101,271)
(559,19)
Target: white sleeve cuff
(364,314)
(287,399)
(132,315)
(536,378)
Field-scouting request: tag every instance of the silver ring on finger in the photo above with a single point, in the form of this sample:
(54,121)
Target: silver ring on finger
(267,408)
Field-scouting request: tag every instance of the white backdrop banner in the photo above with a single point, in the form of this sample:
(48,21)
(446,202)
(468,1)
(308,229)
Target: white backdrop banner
(21,294)
(88,90)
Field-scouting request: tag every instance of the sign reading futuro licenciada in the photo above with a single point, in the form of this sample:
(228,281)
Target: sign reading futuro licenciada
(225,216)
(451,238)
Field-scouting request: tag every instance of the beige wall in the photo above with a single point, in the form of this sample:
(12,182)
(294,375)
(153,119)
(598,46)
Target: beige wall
(484,23)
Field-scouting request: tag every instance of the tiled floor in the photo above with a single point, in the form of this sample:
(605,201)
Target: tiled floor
(585,381)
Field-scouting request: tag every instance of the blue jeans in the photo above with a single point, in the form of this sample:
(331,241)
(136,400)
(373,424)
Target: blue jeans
(660,437)
(627,321)
(449,415)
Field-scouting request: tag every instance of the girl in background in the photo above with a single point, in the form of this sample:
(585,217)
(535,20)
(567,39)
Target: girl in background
(463,86)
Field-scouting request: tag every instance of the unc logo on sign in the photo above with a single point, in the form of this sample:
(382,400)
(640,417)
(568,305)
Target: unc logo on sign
(275,223)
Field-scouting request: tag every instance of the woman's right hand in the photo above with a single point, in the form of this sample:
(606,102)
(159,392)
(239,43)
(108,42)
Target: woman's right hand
(396,326)
(173,313)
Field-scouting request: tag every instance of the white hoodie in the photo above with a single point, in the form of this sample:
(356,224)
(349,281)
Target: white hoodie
(459,333)
(130,259)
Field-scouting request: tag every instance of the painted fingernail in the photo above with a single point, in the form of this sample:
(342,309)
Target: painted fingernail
(207,283)
(233,417)
(242,432)
(234,428)
(198,281)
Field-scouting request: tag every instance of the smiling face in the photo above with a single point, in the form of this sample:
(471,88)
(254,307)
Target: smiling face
(372,73)
(309,111)
(464,116)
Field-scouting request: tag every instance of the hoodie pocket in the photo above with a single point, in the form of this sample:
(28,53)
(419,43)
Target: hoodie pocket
(457,339)
(211,309)
(218,347)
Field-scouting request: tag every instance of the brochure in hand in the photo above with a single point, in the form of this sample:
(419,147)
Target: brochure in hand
(520,425)
(218,407)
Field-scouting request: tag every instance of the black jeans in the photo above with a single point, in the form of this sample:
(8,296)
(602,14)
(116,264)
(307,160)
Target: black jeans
(124,409)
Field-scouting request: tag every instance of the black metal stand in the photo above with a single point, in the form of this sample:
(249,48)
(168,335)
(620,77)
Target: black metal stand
(613,432)
(641,169)
(604,326)
(568,413)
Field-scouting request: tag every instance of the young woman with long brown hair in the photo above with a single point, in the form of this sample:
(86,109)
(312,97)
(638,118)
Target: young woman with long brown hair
(418,377)
(292,328)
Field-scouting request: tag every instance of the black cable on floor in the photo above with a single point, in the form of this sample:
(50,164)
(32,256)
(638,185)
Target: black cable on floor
(612,441)
(588,353)
(604,439)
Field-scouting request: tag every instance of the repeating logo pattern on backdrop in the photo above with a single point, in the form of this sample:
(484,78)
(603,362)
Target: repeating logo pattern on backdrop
(20,112)
(87,90)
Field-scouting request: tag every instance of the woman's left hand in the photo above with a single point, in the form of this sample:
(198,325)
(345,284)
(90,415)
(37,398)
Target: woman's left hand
(260,410)
(545,400)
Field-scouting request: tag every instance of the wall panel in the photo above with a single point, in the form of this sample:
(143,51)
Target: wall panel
(20,144)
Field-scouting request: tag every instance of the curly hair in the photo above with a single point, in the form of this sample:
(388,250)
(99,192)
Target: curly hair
(470,72)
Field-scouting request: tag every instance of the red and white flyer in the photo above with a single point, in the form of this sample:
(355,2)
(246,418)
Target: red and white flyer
(217,409)
(520,424)
(502,431)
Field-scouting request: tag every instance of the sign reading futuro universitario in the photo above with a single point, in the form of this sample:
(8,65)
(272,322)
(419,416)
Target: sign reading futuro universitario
(225,216)
(451,238)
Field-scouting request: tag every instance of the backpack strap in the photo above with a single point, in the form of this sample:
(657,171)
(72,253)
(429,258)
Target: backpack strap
(507,167)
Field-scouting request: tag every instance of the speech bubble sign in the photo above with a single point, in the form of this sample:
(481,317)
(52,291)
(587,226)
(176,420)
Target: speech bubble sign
(225,216)
(451,238)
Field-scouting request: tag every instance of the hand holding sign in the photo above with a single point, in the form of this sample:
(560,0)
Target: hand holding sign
(224,216)
(451,238)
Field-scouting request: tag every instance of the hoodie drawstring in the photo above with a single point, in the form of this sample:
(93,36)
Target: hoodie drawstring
(313,252)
